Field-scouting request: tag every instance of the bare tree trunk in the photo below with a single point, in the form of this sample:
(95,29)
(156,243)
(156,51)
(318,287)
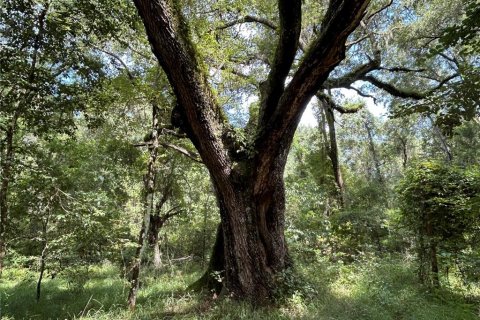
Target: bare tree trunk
(149,184)
(6,167)
(156,223)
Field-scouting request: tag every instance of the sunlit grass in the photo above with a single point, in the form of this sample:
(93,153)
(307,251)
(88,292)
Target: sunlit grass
(371,289)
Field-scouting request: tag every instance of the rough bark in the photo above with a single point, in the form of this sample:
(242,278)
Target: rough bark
(250,191)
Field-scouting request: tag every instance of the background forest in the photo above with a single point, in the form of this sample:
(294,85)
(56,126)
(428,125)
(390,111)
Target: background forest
(108,211)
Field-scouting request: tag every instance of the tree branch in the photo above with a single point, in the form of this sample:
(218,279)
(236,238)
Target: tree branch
(171,213)
(198,107)
(325,53)
(290,12)
(195,157)
(351,43)
(361,93)
(347,80)
(116,57)
(394,91)
(247,19)
(402,93)
(331,104)
(401,69)
(371,15)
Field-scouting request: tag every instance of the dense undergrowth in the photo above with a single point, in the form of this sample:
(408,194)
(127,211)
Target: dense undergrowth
(374,288)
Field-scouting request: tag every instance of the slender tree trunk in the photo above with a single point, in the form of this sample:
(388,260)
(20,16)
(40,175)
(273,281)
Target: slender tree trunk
(404,153)
(432,251)
(443,141)
(422,252)
(333,155)
(149,184)
(373,150)
(6,170)
(42,269)
(43,256)
(434,264)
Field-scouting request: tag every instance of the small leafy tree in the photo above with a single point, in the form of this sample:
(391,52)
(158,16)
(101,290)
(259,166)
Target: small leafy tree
(438,206)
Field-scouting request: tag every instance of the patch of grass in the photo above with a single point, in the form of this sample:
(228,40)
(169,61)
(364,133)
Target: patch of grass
(104,290)
(371,289)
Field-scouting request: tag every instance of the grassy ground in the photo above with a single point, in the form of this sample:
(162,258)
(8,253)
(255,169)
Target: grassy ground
(375,289)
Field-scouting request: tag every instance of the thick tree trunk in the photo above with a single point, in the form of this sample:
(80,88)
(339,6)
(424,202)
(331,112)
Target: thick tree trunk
(250,246)
(6,171)
(253,230)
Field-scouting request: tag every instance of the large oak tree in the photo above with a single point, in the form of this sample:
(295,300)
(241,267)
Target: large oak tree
(249,180)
